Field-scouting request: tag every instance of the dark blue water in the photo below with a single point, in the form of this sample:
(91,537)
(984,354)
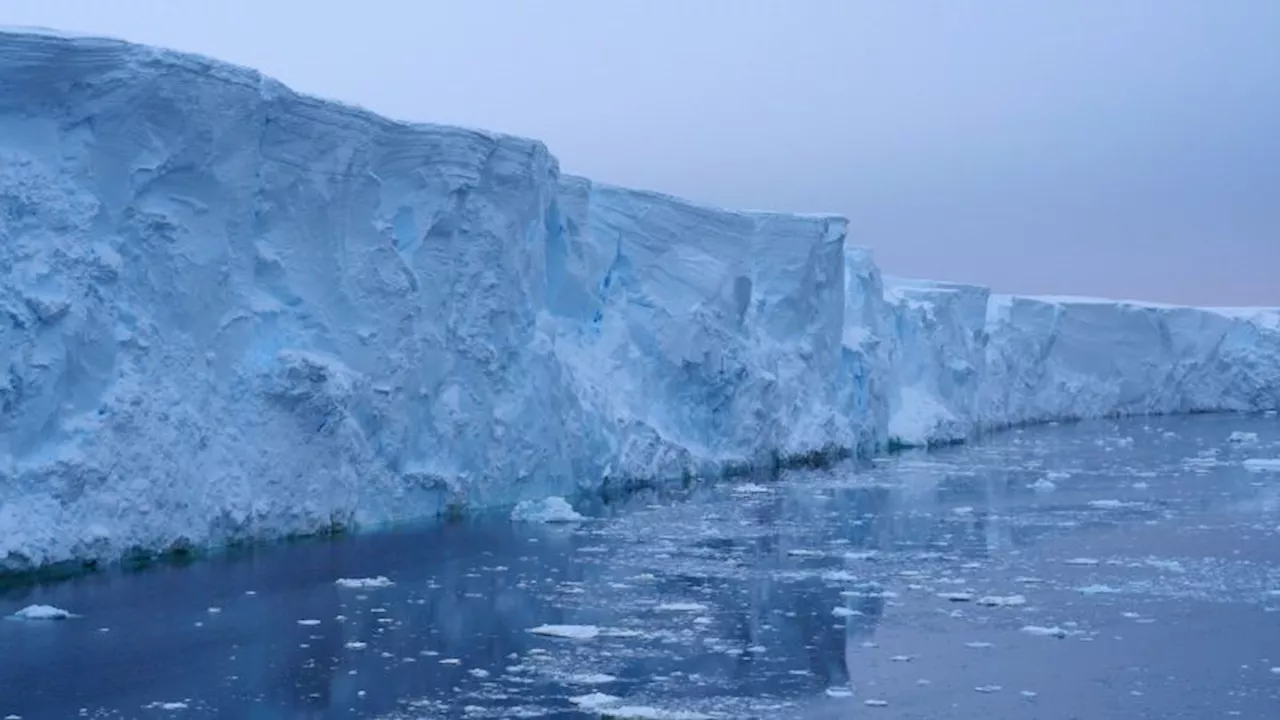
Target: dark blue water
(1138,563)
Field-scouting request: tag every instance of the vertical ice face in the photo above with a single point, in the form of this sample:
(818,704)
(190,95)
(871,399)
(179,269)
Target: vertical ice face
(954,372)
(938,347)
(231,310)
(1079,358)
(868,340)
(707,338)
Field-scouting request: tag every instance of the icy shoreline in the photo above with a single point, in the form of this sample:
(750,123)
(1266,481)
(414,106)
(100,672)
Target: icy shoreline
(233,312)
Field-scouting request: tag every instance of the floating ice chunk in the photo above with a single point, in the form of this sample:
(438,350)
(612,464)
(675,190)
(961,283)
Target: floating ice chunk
(872,702)
(801,552)
(1112,504)
(170,706)
(369,583)
(956,596)
(1098,589)
(592,679)
(554,509)
(837,691)
(1171,565)
(978,644)
(751,489)
(1243,438)
(1028,694)
(595,700)
(988,688)
(902,658)
(1042,631)
(680,607)
(1262,465)
(356,645)
(1002,600)
(1081,561)
(1044,485)
(42,612)
(309,621)
(841,611)
(643,712)
(571,632)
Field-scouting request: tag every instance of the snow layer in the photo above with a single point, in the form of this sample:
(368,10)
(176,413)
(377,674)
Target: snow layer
(231,311)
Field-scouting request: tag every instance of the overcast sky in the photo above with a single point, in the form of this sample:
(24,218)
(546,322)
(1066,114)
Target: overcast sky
(1128,148)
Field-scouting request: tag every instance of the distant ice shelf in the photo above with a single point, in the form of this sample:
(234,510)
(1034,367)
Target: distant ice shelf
(231,311)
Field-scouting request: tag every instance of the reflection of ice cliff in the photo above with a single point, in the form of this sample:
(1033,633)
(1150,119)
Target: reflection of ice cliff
(233,312)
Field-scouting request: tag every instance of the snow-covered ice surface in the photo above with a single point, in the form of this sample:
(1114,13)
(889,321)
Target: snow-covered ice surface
(706,602)
(235,312)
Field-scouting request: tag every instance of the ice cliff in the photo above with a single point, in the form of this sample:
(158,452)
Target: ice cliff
(229,311)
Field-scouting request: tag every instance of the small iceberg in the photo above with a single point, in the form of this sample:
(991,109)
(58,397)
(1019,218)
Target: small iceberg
(370,583)
(1042,631)
(680,607)
(1044,485)
(1002,600)
(592,679)
(571,632)
(1262,465)
(595,700)
(554,509)
(42,612)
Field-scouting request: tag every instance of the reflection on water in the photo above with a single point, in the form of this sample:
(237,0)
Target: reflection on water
(768,598)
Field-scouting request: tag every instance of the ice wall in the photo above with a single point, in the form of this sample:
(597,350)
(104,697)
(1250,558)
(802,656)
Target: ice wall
(229,311)
(966,362)
(937,344)
(233,311)
(706,339)
(1054,358)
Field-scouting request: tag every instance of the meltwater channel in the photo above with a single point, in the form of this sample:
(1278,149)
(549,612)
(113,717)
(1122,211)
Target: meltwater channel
(1106,569)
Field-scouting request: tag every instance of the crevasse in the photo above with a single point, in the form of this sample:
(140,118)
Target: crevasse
(229,311)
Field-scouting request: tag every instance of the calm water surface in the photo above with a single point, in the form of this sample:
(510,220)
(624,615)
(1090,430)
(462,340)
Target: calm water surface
(1129,570)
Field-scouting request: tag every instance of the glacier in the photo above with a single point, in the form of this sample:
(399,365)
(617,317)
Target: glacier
(235,312)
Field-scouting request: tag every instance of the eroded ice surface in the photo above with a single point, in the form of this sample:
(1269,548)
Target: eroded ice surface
(230,311)
(816,599)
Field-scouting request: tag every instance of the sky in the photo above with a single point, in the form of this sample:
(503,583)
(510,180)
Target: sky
(1121,148)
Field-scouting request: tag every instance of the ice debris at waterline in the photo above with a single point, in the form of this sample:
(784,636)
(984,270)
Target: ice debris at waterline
(548,510)
(233,311)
